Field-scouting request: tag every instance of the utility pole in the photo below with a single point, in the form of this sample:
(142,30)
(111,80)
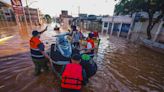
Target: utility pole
(78,10)
(29,15)
(25,18)
(79,17)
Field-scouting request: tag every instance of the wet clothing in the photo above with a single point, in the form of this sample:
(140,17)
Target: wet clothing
(36,46)
(90,67)
(39,60)
(73,78)
(40,64)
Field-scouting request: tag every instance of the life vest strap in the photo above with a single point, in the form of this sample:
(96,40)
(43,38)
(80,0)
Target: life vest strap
(34,49)
(72,83)
(38,56)
(77,80)
(72,79)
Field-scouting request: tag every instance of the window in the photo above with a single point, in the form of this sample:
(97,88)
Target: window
(105,24)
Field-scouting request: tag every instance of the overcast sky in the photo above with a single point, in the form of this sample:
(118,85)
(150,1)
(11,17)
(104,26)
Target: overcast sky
(54,7)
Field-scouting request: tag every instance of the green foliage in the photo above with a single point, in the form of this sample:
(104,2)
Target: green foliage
(131,6)
(150,6)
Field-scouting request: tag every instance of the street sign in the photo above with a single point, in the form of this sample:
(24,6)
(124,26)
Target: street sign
(17,6)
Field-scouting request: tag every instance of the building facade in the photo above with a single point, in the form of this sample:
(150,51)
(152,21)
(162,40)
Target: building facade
(117,25)
(6,12)
(33,15)
(87,22)
(65,19)
(7,17)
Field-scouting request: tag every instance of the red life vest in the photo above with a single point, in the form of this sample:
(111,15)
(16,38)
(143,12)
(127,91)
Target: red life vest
(92,43)
(72,77)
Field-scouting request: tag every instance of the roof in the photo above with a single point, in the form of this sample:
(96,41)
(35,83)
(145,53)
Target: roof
(124,19)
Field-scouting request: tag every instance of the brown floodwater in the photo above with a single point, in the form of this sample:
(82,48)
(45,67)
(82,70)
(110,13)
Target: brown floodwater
(122,67)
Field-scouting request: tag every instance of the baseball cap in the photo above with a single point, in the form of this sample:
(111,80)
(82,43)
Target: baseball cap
(35,33)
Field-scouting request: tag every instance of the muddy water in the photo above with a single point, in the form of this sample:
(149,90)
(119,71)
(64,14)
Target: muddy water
(122,67)
(126,67)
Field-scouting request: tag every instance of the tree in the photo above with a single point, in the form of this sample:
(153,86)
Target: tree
(151,7)
(48,18)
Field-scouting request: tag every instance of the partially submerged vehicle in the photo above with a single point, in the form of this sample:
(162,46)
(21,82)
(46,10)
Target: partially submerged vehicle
(61,52)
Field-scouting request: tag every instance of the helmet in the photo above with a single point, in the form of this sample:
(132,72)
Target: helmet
(86,57)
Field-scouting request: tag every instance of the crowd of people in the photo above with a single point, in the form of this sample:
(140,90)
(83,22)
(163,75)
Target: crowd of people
(76,73)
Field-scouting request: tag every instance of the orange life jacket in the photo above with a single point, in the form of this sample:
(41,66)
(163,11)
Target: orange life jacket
(72,77)
(92,43)
(34,42)
(35,52)
(93,46)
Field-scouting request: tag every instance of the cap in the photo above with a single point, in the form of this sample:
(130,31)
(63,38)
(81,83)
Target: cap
(90,35)
(76,57)
(35,33)
(86,57)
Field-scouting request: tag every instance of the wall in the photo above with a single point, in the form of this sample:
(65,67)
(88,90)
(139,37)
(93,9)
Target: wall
(115,25)
(139,31)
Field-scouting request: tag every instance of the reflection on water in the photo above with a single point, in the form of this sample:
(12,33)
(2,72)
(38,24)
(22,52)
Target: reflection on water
(122,67)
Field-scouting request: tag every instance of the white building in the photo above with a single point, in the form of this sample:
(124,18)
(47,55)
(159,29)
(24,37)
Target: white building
(117,25)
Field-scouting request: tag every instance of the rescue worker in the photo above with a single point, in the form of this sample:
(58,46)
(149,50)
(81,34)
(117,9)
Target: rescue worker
(89,49)
(73,76)
(39,57)
(89,65)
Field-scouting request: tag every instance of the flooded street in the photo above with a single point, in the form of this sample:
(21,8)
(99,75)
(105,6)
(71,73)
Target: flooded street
(122,67)
(126,67)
